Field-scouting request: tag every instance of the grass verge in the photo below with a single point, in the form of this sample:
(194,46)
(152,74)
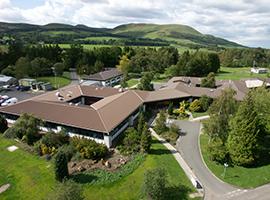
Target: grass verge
(57,82)
(235,175)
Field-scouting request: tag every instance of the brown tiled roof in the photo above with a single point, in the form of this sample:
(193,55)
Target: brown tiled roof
(104,75)
(81,117)
(113,110)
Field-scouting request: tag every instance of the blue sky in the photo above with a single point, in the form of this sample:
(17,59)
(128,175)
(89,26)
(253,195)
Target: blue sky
(242,21)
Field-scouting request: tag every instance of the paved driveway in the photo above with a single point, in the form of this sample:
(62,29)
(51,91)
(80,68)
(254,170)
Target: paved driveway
(20,95)
(188,146)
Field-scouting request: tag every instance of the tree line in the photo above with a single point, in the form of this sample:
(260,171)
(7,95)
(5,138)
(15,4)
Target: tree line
(239,132)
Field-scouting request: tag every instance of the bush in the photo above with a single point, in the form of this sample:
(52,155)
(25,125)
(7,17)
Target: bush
(3,124)
(195,106)
(205,102)
(131,141)
(68,150)
(89,149)
(56,140)
(172,134)
(25,128)
(61,167)
(154,183)
(68,190)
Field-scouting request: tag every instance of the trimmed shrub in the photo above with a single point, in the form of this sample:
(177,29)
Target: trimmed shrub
(68,150)
(89,149)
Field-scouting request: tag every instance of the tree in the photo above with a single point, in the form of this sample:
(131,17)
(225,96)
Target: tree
(99,66)
(61,167)
(170,109)
(140,123)
(73,55)
(220,112)
(22,67)
(246,129)
(59,68)
(131,140)
(160,125)
(67,190)
(205,102)
(40,67)
(145,82)
(3,124)
(146,139)
(26,128)
(154,183)
(209,81)
(124,64)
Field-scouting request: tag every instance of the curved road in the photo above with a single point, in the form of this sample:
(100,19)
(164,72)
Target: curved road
(214,188)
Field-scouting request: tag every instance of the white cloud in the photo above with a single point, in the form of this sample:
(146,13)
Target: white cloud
(243,21)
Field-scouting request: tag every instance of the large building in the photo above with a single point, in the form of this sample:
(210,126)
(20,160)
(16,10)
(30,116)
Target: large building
(103,113)
(107,78)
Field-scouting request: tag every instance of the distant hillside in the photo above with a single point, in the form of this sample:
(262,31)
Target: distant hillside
(180,34)
(127,34)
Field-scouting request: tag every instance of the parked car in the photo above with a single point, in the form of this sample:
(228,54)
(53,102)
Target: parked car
(23,88)
(3,98)
(9,102)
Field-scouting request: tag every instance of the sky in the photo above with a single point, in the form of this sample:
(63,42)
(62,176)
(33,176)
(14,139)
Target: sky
(244,21)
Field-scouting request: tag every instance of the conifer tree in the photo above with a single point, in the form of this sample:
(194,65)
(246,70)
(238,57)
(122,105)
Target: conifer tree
(61,168)
(145,139)
(243,140)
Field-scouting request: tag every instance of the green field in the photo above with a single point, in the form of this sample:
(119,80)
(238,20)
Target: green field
(132,82)
(32,177)
(239,176)
(227,73)
(56,82)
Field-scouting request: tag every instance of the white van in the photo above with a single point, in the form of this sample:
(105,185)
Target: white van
(10,101)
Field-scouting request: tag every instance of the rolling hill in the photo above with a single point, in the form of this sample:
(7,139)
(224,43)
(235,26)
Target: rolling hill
(127,34)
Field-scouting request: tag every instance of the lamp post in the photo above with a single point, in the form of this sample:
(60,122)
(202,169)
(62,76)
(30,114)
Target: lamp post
(53,69)
(225,167)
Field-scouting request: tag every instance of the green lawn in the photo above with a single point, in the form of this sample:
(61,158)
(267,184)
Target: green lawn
(227,73)
(239,176)
(199,114)
(30,177)
(132,82)
(57,82)
(33,178)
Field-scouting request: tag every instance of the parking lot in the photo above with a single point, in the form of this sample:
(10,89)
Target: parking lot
(20,95)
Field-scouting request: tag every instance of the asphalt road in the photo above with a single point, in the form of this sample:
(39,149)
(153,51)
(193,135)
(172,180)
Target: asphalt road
(188,146)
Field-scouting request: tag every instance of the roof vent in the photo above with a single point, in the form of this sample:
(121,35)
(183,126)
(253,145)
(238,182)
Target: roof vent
(60,98)
(70,103)
(96,88)
(76,104)
(211,90)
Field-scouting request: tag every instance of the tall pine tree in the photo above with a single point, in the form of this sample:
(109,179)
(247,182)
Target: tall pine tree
(243,141)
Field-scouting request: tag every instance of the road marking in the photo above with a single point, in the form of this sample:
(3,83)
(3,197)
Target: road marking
(234,193)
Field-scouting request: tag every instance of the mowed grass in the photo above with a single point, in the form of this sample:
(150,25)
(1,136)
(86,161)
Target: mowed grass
(57,82)
(132,82)
(33,178)
(130,187)
(227,73)
(239,176)
(30,176)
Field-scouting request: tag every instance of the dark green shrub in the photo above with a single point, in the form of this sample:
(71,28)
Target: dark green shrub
(3,124)
(61,168)
(68,150)
(56,140)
